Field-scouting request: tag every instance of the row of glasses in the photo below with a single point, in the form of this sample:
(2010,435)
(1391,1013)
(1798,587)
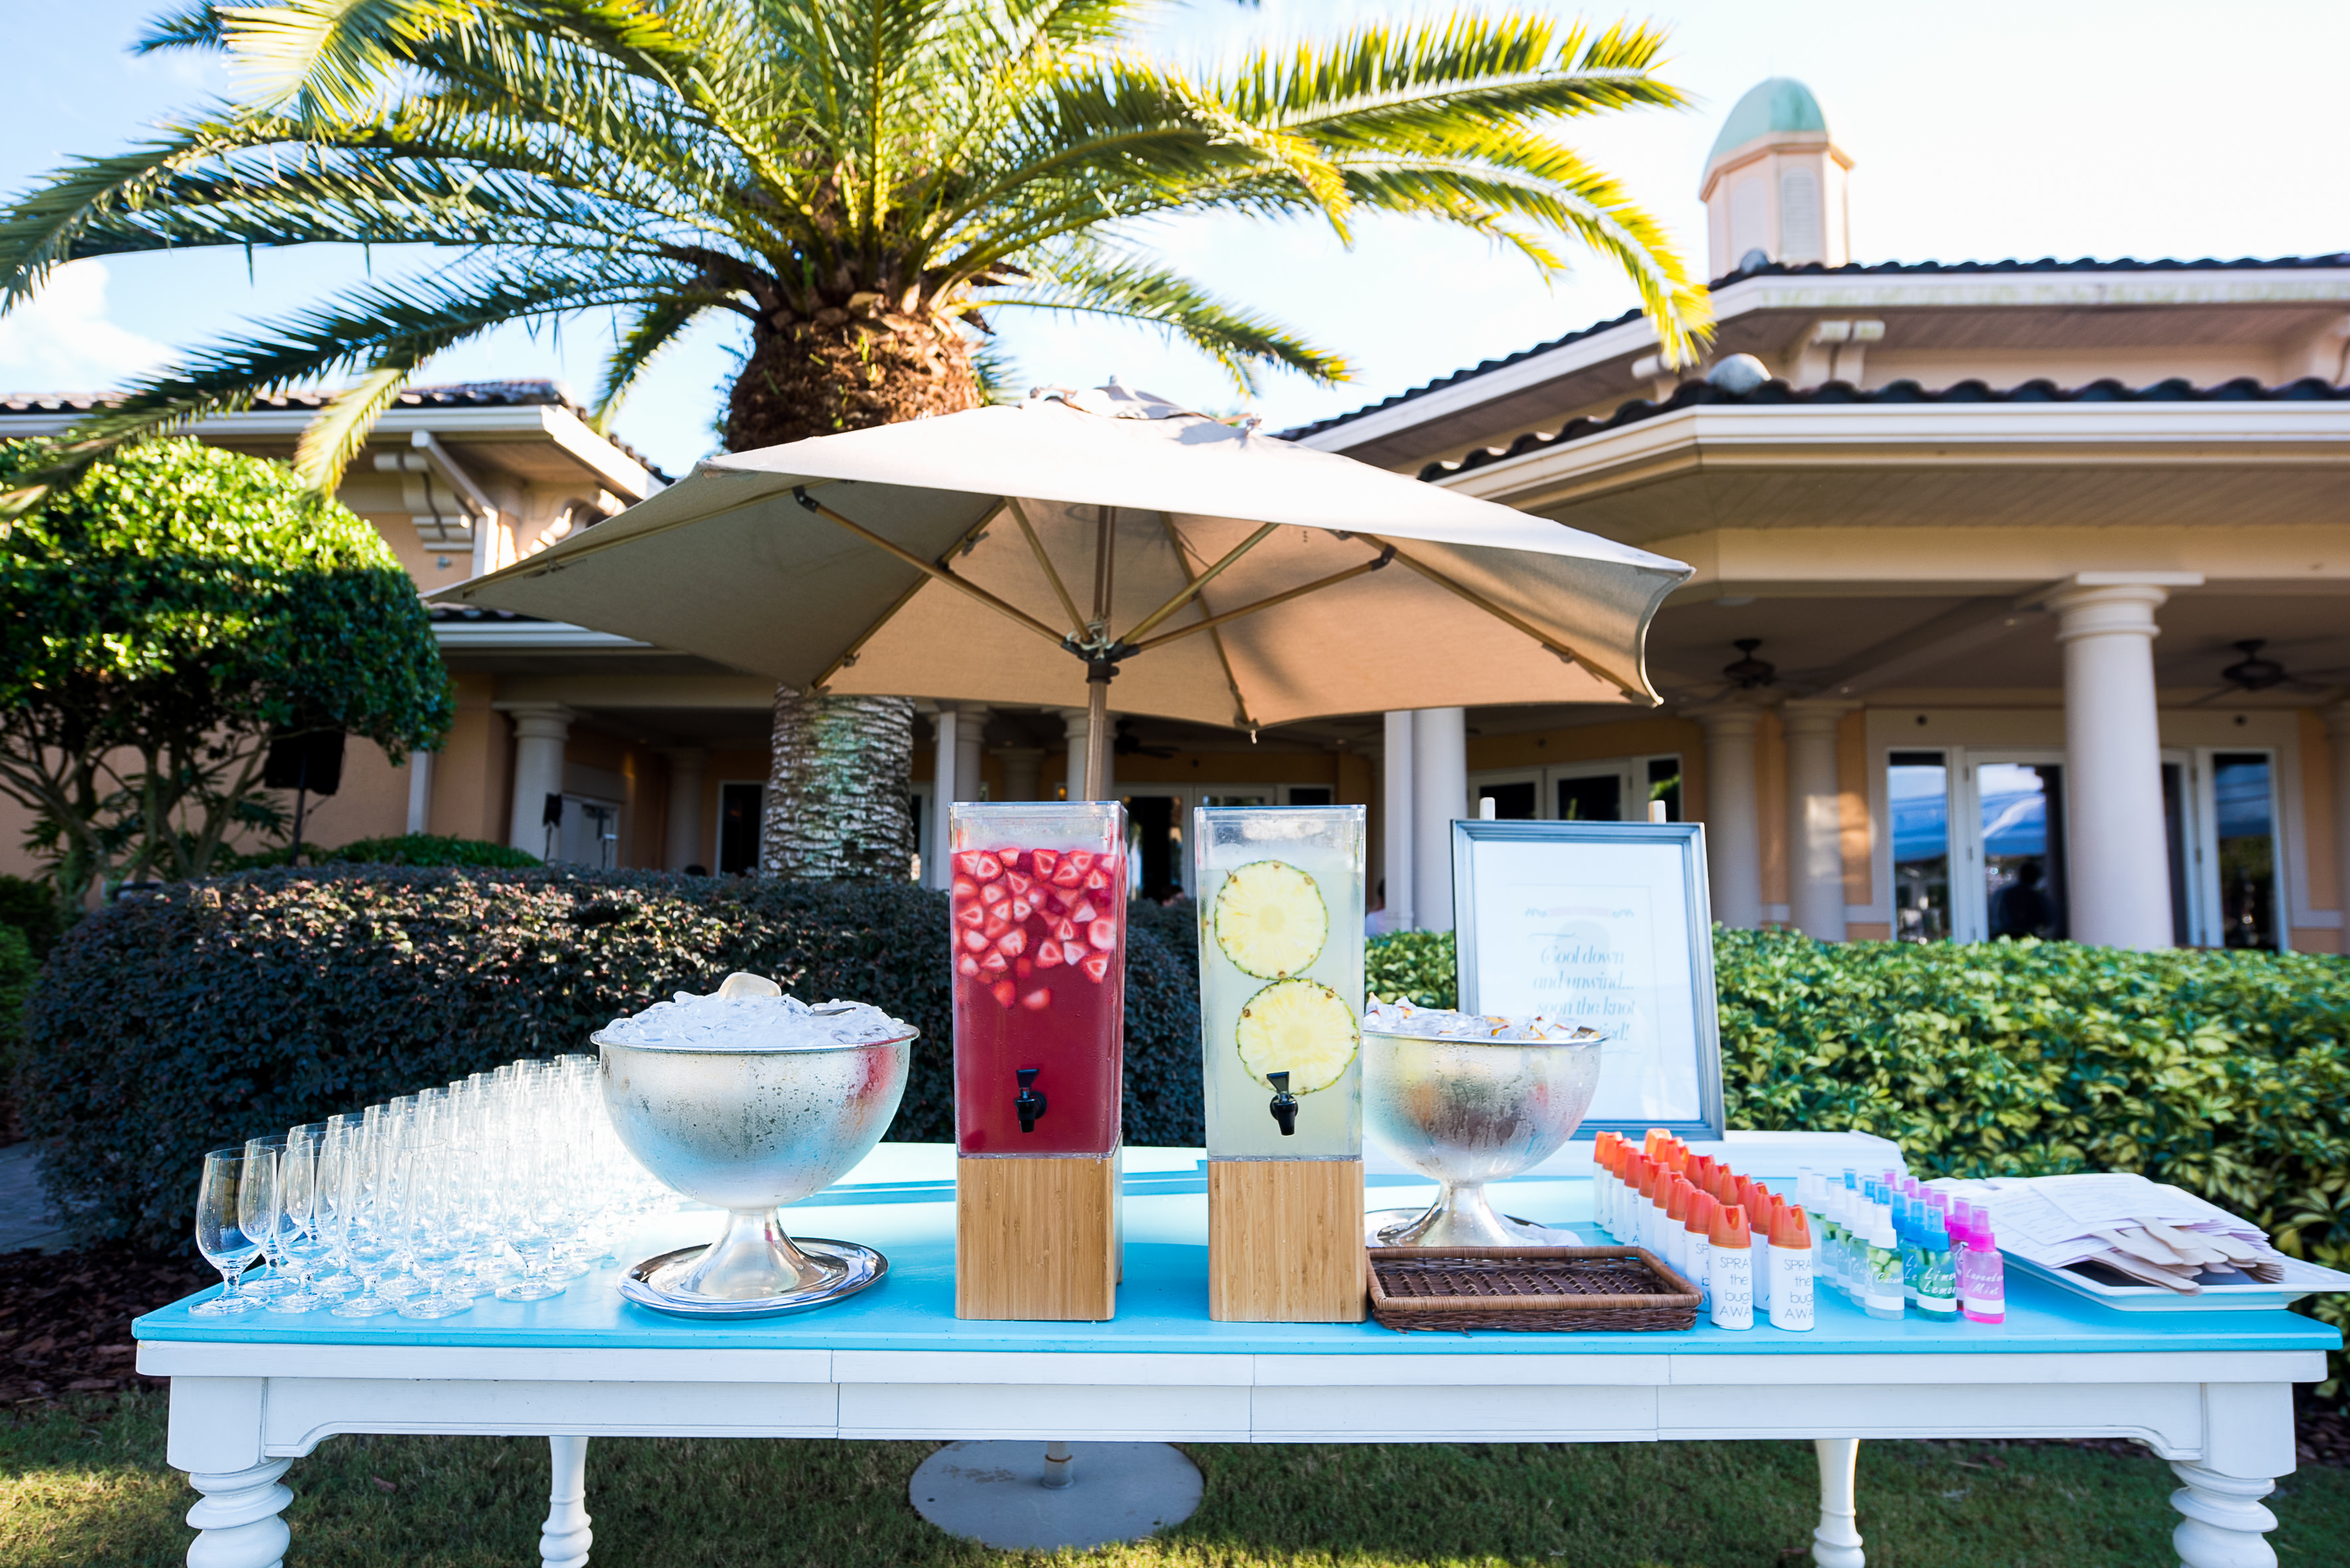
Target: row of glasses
(512,1181)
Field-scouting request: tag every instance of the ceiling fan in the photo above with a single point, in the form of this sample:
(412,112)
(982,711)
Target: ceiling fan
(1124,742)
(2256,673)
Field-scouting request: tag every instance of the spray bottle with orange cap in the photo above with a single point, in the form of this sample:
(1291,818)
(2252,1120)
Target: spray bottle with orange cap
(1793,1306)
(1729,1263)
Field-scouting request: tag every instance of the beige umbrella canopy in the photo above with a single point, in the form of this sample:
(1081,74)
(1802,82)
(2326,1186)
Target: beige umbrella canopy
(1027,554)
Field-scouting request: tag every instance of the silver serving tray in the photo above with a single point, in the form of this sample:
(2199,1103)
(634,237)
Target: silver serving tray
(864,1266)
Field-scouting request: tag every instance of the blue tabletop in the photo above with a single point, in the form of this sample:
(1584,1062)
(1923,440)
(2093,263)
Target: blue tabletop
(1162,1307)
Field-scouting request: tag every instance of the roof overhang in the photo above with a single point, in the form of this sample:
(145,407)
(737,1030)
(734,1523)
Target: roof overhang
(1940,465)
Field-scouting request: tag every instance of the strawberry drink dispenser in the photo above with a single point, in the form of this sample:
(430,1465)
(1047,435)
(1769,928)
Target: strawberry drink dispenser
(1037,917)
(1281,1000)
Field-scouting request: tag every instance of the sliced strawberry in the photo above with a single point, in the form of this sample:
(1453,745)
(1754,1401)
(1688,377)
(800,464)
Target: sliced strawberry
(974,914)
(1063,897)
(1013,941)
(1004,992)
(1017,883)
(1083,859)
(985,868)
(993,893)
(1095,967)
(975,940)
(967,965)
(1084,914)
(1021,909)
(994,962)
(1065,929)
(1068,875)
(1023,968)
(964,889)
(1103,934)
(1048,953)
(1037,1000)
(996,925)
(962,860)
(1096,881)
(1044,860)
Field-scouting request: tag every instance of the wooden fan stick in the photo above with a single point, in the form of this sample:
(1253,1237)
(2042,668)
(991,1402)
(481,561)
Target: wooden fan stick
(1332,580)
(1061,590)
(1241,715)
(963,585)
(1191,590)
(848,655)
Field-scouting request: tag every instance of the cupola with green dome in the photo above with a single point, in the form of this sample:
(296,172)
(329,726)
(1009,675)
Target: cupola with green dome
(1775,182)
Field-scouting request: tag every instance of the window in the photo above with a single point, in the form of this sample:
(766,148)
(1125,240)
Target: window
(1592,797)
(1616,789)
(740,807)
(1512,802)
(2245,815)
(1665,784)
(1917,787)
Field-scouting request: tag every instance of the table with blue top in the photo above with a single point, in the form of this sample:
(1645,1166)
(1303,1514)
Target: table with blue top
(2210,1391)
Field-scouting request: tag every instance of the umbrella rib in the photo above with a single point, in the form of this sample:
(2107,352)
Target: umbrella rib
(1498,613)
(1223,655)
(848,655)
(964,584)
(1191,591)
(1332,580)
(1060,589)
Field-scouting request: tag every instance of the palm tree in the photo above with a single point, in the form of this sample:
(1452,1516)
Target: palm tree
(866,182)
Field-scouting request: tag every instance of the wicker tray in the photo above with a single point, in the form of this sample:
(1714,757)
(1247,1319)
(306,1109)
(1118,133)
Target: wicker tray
(1528,1290)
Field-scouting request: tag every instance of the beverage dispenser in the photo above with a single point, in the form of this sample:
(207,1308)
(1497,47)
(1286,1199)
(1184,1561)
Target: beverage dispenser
(1037,909)
(1280,998)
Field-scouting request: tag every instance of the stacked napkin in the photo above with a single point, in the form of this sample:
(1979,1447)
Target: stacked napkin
(2146,1230)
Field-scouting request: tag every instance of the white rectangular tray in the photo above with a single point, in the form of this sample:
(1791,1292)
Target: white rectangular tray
(2301,1278)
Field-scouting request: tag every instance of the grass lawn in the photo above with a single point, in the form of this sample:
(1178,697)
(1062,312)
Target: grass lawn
(85,1485)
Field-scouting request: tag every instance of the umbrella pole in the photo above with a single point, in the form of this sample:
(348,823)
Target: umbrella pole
(1098,674)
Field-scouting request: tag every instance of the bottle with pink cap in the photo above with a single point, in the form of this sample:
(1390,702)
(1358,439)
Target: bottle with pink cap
(1983,1273)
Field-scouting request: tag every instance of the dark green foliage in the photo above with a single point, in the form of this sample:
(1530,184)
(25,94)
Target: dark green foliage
(199,1013)
(160,620)
(399,849)
(32,909)
(1411,966)
(17,968)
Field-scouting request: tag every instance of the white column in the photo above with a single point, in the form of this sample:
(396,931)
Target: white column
(566,1539)
(1076,719)
(2338,723)
(1440,792)
(1733,835)
(684,846)
(1836,1541)
(420,791)
(1814,817)
(1397,820)
(945,747)
(1023,768)
(2117,864)
(971,727)
(540,730)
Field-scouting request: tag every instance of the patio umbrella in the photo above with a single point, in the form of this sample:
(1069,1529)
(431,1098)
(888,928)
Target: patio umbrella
(1024,554)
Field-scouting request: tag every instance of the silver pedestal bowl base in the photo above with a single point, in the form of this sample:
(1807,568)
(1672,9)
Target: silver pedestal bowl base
(820,1272)
(1460,1217)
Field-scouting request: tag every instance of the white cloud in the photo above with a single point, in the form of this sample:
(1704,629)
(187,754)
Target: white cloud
(62,339)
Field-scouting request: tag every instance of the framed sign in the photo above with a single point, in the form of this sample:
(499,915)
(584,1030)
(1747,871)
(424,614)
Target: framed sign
(1607,923)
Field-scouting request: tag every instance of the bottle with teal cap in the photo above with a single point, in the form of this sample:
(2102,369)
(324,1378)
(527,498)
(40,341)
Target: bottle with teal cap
(1884,1298)
(1938,1274)
(1909,1228)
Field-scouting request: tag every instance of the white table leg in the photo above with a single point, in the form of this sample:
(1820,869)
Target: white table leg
(2225,1524)
(1836,1544)
(564,1541)
(237,1518)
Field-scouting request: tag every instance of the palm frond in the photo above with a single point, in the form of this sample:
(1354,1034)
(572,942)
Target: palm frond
(331,441)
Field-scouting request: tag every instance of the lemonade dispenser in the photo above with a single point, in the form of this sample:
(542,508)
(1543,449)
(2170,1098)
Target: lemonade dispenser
(1281,1000)
(1037,909)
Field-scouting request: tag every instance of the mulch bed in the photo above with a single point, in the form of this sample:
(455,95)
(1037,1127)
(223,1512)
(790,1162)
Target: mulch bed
(64,1317)
(65,1328)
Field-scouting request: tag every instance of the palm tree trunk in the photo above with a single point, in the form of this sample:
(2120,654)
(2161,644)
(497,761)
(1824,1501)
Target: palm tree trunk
(840,785)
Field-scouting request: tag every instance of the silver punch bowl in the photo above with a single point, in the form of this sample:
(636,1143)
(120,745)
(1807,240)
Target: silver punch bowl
(1467,1111)
(747,1130)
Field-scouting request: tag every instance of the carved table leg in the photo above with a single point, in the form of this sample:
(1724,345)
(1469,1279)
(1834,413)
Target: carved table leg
(2225,1523)
(237,1517)
(564,1541)
(1837,1542)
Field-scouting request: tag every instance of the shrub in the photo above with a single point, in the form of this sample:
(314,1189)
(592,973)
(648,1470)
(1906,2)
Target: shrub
(196,1014)
(17,968)
(31,907)
(399,850)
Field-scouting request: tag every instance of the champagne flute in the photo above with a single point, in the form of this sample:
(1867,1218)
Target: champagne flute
(259,1204)
(220,1235)
(300,1233)
(361,1206)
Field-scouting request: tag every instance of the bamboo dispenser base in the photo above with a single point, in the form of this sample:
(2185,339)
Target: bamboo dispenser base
(1037,1239)
(1286,1240)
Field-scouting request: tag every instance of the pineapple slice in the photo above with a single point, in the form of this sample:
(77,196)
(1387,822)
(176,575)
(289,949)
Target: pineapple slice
(1270,919)
(1301,1028)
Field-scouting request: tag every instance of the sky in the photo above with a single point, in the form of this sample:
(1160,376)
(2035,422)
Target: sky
(1990,129)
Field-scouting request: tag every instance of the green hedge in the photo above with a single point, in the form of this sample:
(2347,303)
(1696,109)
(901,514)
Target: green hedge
(203,1012)
(398,849)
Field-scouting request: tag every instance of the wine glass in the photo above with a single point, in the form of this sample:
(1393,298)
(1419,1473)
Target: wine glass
(523,1218)
(362,1206)
(258,1206)
(220,1233)
(431,1222)
(301,1238)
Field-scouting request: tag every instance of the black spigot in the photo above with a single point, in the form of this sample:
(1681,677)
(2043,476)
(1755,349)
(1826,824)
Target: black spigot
(1285,1104)
(1029,1103)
